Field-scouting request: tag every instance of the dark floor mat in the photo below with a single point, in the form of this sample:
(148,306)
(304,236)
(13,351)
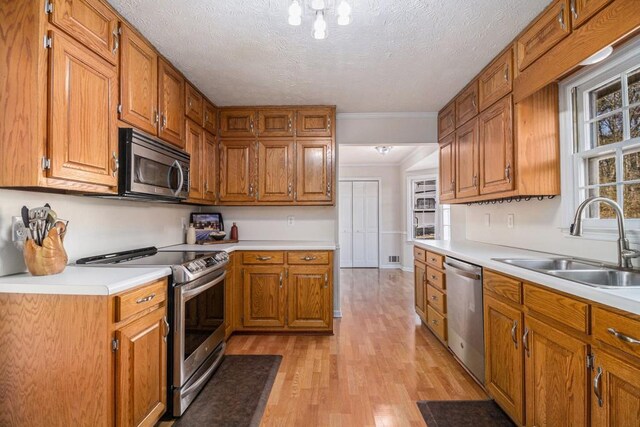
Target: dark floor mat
(462,413)
(236,395)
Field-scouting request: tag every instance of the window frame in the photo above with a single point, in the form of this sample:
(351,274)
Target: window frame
(572,129)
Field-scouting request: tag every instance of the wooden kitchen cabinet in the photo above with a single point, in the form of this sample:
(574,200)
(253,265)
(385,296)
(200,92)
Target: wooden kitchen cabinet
(275,170)
(171,104)
(237,123)
(547,31)
(210,167)
(496,81)
(467,104)
(583,10)
(237,170)
(193,104)
(210,118)
(447,120)
(195,148)
(447,168)
(496,147)
(420,289)
(264,304)
(504,362)
(276,123)
(309,297)
(314,170)
(141,370)
(315,122)
(83,133)
(466,158)
(91,22)
(138,82)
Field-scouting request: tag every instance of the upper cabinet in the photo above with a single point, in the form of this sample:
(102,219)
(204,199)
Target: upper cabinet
(91,22)
(195,148)
(171,103)
(549,29)
(275,170)
(496,81)
(583,10)
(237,171)
(193,104)
(276,123)
(467,154)
(496,147)
(237,123)
(314,171)
(315,122)
(210,167)
(138,82)
(448,168)
(467,104)
(210,118)
(447,120)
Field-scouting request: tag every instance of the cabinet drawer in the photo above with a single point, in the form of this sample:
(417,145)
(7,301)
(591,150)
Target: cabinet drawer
(435,260)
(502,286)
(301,258)
(437,323)
(437,299)
(607,324)
(140,299)
(436,278)
(568,311)
(258,257)
(419,254)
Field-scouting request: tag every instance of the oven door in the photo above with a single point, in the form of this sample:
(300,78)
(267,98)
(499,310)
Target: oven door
(199,324)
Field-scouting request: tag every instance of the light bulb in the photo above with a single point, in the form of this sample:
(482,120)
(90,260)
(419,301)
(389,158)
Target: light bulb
(317,4)
(344,9)
(319,35)
(320,24)
(295,20)
(295,9)
(344,19)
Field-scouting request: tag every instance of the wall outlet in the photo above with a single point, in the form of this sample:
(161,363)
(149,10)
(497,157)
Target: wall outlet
(487,220)
(291,220)
(18,230)
(510,220)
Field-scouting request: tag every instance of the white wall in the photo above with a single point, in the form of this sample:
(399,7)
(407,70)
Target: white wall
(387,128)
(391,226)
(96,225)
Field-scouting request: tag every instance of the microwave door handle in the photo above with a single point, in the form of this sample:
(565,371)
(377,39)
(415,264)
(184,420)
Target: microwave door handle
(177,190)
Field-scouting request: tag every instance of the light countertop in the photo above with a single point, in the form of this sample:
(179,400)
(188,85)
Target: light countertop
(482,253)
(257,245)
(83,281)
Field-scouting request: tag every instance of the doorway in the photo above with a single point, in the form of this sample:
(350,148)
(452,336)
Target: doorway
(359,223)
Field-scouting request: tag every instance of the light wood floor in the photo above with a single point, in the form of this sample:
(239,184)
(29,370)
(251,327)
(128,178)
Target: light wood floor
(371,372)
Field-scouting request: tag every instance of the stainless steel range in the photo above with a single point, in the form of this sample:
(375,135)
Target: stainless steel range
(196,312)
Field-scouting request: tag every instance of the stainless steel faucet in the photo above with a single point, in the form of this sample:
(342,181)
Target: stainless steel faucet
(625,253)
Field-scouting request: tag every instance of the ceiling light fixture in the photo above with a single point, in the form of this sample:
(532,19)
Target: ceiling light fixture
(600,55)
(319,9)
(383,149)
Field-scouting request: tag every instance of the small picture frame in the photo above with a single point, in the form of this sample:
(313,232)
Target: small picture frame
(205,223)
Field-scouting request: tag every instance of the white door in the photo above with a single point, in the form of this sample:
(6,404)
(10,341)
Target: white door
(346,224)
(359,236)
(364,224)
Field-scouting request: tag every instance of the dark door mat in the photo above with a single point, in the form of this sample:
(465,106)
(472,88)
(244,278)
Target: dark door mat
(236,395)
(461,413)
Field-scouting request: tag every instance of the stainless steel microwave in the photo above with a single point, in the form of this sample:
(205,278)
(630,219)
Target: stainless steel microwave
(151,169)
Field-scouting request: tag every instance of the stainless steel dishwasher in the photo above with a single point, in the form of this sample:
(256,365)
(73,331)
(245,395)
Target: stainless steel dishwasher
(465,314)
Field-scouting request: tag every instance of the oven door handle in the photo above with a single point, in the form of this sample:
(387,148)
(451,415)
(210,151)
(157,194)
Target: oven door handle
(176,164)
(186,294)
(204,378)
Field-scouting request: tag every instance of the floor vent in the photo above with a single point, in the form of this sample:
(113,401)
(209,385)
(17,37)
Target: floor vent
(394,258)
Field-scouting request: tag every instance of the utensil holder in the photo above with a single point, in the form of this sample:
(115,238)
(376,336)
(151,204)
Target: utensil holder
(48,259)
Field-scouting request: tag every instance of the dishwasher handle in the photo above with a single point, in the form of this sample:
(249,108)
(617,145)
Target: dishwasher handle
(468,274)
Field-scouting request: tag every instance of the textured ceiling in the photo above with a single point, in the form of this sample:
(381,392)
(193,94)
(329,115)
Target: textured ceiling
(353,155)
(397,55)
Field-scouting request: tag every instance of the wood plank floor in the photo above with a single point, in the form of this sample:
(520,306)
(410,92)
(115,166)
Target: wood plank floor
(372,371)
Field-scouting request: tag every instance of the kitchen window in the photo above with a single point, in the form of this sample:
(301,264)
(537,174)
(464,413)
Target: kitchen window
(600,135)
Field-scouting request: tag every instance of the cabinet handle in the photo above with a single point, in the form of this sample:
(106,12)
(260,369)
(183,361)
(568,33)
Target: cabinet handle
(433,276)
(507,172)
(623,337)
(326,280)
(597,389)
(452,186)
(206,117)
(163,123)
(329,124)
(206,186)
(434,298)
(251,125)
(281,280)
(435,322)
(156,117)
(116,163)
(290,189)
(251,189)
(116,39)
(451,121)
(328,189)
(561,18)
(309,258)
(513,333)
(290,125)
(166,327)
(574,11)
(145,299)
(475,180)
(525,339)
(424,278)
(473,102)
(263,258)
(506,74)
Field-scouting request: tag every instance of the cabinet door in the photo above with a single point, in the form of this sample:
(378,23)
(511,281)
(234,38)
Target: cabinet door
(583,10)
(496,147)
(314,122)
(420,283)
(467,104)
(138,82)
(83,139)
(275,171)
(504,363)
(467,155)
(264,296)
(615,400)
(314,170)
(92,23)
(210,118)
(496,81)
(544,34)
(278,123)
(555,376)
(309,291)
(448,168)
(195,148)
(141,370)
(210,167)
(193,104)
(171,101)
(237,165)
(237,123)
(447,120)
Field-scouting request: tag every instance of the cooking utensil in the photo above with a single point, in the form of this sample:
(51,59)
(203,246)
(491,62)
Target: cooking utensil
(26,221)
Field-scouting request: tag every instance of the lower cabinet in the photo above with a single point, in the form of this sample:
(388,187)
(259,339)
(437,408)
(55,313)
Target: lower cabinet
(264,296)
(420,285)
(309,299)
(615,401)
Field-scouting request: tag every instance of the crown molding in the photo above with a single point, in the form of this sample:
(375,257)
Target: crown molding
(399,115)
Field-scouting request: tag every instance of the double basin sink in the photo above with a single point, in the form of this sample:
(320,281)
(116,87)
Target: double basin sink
(581,271)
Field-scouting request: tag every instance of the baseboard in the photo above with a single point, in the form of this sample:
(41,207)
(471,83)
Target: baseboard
(337,313)
(407,269)
(390,267)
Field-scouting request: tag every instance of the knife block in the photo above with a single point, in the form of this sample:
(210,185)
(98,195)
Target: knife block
(48,259)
